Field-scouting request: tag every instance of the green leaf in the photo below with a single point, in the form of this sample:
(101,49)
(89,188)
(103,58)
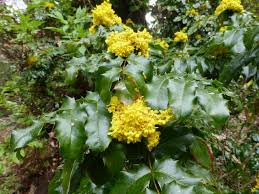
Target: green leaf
(55,186)
(140,69)
(104,83)
(182,96)
(69,169)
(98,123)
(157,93)
(174,142)
(74,66)
(114,158)
(88,187)
(22,137)
(125,91)
(173,187)
(61,182)
(139,178)
(202,153)
(168,170)
(132,182)
(213,104)
(70,129)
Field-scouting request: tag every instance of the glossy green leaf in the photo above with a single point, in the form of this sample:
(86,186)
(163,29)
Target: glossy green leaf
(157,93)
(139,69)
(173,187)
(214,105)
(104,83)
(98,123)
(125,91)
(202,153)
(70,129)
(132,182)
(174,142)
(168,170)
(73,68)
(138,179)
(21,137)
(114,158)
(182,96)
(69,169)
(88,187)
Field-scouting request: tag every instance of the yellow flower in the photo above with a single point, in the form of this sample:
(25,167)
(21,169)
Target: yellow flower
(198,36)
(162,43)
(49,5)
(223,29)
(129,22)
(126,42)
(134,122)
(180,37)
(104,15)
(233,5)
(31,60)
(192,12)
(256,187)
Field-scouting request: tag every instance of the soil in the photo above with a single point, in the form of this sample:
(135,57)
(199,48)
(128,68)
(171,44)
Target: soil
(38,166)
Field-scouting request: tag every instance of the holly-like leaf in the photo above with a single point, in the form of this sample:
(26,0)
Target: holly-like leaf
(61,182)
(182,96)
(74,66)
(104,83)
(174,142)
(139,69)
(213,104)
(69,169)
(157,93)
(202,152)
(170,170)
(98,123)
(70,129)
(164,172)
(114,158)
(22,137)
(134,181)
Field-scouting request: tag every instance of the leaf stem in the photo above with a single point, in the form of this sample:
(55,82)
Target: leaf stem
(153,179)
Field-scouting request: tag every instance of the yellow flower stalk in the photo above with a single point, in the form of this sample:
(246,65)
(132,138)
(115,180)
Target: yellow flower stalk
(162,43)
(180,37)
(49,5)
(104,15)
(233,5)
(192,12)
(126,42)
(134,122)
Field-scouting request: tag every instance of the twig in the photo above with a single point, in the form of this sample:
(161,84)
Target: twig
(154,181)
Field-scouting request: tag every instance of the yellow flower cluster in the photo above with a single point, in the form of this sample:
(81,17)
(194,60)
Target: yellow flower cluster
(223,29)
(192,12)
(198,37)
(180,36)
(256,187)
(49,5)
(131,123)
(32,59)
(162,43)
(103,14)
(233,5)
(126,42)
